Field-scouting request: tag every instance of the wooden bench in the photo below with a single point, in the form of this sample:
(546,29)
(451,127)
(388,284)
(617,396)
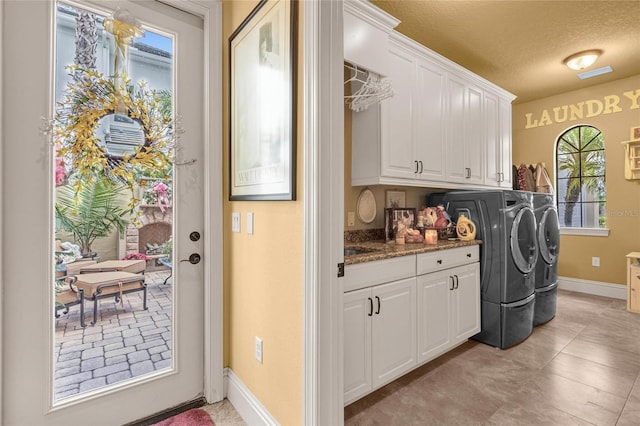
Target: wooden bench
(100,285)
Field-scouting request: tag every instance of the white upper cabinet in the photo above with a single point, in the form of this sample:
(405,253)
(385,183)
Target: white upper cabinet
(444,127)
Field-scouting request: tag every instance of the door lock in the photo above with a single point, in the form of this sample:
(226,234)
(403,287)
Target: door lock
(194,259)
(194,236)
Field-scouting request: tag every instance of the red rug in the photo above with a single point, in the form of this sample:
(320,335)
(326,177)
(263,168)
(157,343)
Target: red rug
(194,417)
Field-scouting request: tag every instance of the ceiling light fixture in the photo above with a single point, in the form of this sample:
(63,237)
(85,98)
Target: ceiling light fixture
(582,60)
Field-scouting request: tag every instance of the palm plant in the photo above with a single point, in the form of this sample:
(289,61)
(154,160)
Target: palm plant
(581,161)
(90,213)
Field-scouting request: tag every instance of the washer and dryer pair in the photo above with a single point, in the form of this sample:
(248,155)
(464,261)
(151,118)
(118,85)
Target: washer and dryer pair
(509,254)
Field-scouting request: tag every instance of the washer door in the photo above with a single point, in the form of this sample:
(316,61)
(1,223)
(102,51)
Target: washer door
(549,236)
(524,247)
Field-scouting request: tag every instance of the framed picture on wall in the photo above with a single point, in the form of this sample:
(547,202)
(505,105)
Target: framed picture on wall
(406,216)
(262,110)
(395,199)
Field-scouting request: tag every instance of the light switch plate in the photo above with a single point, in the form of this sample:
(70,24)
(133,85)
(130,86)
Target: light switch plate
(250,223)
(235,222)
(351,218)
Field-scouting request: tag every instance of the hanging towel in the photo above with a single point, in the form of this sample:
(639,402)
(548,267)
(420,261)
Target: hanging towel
(543,182)
(526,182)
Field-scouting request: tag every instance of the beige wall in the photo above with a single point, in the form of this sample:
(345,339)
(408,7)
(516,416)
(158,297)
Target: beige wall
(263,274)
(537,144)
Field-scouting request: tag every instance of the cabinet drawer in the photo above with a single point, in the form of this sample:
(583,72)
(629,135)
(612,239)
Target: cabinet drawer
(368,274)
(443,259)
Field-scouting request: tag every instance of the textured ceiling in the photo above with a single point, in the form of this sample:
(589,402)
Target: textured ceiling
(520,45)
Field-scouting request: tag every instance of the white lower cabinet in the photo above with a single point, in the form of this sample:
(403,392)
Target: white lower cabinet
(379,336)
(391,327)
(448,309)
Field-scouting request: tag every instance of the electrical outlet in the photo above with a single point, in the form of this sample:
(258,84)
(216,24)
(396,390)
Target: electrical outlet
(249,223)
(235,222)
(351,219)
(595,261)
(259,349)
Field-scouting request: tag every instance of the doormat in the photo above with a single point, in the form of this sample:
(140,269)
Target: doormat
(193,417)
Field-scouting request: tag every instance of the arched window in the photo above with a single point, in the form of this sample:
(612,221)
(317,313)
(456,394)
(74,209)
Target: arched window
(580,178)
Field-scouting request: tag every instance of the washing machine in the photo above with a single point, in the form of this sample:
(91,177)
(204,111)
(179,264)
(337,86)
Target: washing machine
(546,276)
(506,224)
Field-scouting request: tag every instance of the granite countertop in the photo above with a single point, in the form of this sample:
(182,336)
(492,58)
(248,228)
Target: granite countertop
(379,250)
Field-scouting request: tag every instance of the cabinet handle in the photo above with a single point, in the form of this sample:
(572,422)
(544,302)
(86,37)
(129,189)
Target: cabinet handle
(439,261)
(416,161)
(451,287)
(467,173)
(370,307)
(421,167)
(468,254)
(378,311)
(457,282)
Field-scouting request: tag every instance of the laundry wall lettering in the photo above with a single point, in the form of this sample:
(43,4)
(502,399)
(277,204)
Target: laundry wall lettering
(609,104)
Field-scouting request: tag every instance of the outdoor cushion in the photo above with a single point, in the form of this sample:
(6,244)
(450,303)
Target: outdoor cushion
(104,283)
(134,266)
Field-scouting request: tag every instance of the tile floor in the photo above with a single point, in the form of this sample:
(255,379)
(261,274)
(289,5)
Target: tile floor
(581,368)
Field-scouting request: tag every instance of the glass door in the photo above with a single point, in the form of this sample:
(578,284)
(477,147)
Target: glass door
(110,324)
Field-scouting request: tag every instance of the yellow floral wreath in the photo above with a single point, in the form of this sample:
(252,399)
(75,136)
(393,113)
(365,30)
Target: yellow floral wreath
(89,97)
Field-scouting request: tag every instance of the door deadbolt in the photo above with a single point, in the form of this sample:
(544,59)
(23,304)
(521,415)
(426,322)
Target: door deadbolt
(194,236)
(194,259)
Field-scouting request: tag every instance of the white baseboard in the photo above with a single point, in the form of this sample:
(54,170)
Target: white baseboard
(246,404)
(598,288)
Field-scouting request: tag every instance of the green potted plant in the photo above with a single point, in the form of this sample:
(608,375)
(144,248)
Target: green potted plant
(90,213)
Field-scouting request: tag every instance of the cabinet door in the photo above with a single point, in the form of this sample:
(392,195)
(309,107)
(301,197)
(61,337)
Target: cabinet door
(456,162)
(505,143)
(493,166)
(474,140)
(394,330)
(357,344)
(429,121)
(466,301)
(434,314)
(466,140)
(397,156)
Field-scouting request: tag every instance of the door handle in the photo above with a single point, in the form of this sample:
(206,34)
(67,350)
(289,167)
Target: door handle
(378,300)
(194,259)
(370,307)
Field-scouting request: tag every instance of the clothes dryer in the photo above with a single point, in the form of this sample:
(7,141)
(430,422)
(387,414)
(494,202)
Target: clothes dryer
(508,254)
(546,276)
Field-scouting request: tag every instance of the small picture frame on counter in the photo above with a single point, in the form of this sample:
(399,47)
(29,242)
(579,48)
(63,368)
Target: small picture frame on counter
(394,216)
(395,199)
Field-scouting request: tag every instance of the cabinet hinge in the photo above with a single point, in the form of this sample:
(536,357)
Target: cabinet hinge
(340,270)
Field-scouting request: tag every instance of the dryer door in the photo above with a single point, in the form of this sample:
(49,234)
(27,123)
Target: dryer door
(549,236)
(524,247)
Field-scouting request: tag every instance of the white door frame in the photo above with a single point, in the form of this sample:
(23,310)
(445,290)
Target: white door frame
(323,212)
(211,12)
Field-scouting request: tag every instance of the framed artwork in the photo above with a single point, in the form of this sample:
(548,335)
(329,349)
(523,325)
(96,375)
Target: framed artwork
(406,216)
(395,199)
(635,133)
(262,110)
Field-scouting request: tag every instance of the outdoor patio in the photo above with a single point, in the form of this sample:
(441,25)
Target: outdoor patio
(125,342)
